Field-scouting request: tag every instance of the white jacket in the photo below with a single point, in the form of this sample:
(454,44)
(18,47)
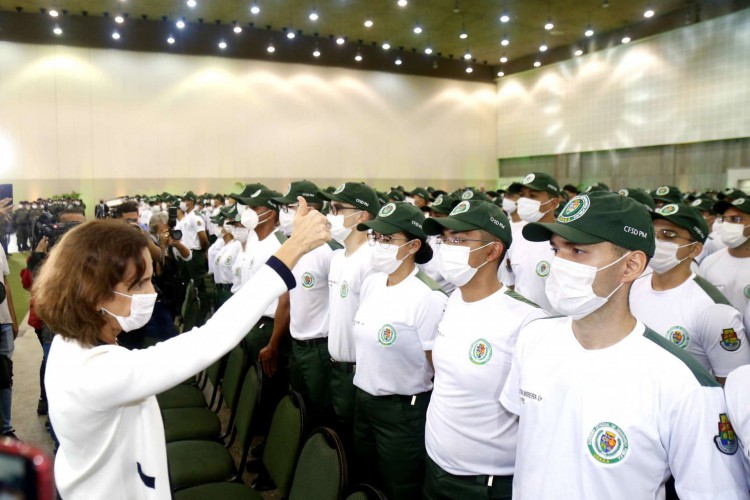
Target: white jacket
(102,403)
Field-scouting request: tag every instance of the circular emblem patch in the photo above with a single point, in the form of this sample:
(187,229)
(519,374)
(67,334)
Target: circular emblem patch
(461,208)
(438,200)
(679,336)
(623,192)
(344,290)
(575,209)
(387,335)
(607,443)
(480,352)
(747,291)
(387,210)
(529,179)
(662,191)
(308,280)
(696,203)
(738,202)
(542,268)
(467,195)
(668,209)
(340,188)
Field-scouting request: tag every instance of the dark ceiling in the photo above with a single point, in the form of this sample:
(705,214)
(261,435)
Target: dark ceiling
(442,21)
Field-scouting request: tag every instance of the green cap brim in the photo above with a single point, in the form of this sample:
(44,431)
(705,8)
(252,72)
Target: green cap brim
(380,226)
(435,226)
(537,231)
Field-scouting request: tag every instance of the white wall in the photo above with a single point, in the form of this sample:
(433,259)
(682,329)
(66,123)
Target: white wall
(110,122)
(687,85)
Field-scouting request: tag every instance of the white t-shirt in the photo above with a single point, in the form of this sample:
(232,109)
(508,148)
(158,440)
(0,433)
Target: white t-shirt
(5,317)
(736,391)
(212,252)
(345,279)
(468,431)
(431,268)
(616,422)
(225,260)
(696,317)
(530,263)
(192,224)
(255,255)
(393,328)
(504,274)
(730,275)
(308,302)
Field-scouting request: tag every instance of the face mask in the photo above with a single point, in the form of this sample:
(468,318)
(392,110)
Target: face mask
(251,219)
(163,206)
(665,256)
(183,206)
(240,233)
(569,288)
(241,208)
(732,234)
(528,209)
(228,228)
(410,200)
(35,206)
(338,230)
(141,308)
(286,221)
(383,258)
(509,206)
(453,263)
(716,227)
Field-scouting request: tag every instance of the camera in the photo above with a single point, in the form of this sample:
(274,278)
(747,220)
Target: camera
(47,226)
(175,234)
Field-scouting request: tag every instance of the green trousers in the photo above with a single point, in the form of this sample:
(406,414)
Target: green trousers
(389,447)
(221,295)
(310,374)
(342,401)
(440,485)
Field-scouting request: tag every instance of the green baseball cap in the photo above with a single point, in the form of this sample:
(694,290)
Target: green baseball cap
(443,204)
(539,181)
(599,186)
(189,196)
(306,189)
(704,205)
(685,216)
(246,193)
(358,194)
(600,216)
(470,215)
(397,216)
(472,194)
(741,204)
(639,195)
(395,195)
(667,194)
(421,192)
(263,197)
(733,193)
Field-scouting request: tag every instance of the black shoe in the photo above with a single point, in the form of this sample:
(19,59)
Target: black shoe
(10,433)
(41,408)
(263,482)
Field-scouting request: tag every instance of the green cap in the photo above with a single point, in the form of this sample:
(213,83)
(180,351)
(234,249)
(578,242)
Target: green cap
(599,186)
(263,197)
(229,212)
(246,193)
(600,216)
(470,215)
(741,204)
(443,204)
(686,217)
(189,196)
(704,205)
(639,195)
(667,194)
(358,194)
(395,195)
(733,193)
(397,216)
(539,181)
(421,192)
(472,194)
(305,189)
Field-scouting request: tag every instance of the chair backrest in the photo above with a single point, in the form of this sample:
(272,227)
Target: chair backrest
(249,398)
(283,442)
(190,308)
(366,492)
(321,469)
(189,297)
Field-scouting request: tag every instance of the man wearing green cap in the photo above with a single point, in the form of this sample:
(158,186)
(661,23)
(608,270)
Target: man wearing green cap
(729,269)
(713,243)
(421,197)
(606,404)
(441,207)
(530,260)
(510,207)
(352,203)
(684,308)
(194,237)
(226,256)
(641,196)
(664,195)
(470,437)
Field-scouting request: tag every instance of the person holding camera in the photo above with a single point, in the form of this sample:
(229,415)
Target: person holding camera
(173,253)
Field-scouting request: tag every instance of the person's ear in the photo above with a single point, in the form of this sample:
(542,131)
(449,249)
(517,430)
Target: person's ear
(695,251)
(414,246)
(496,250)
(635,264)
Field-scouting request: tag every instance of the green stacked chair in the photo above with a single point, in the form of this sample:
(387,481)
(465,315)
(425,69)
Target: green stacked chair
(321,472)
(366,492)
(190,308)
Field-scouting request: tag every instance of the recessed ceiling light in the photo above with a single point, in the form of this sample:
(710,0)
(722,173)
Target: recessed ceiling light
(290,35)
(543,48)
(57,30)
(313,16)
(340,40)
(463,36)
(119,19)
(316,53)
(500,74)
(254,9)
(398,61)
(53,13)
(191,3)
(548,25)
(625,39)
(368,23)
(469,69)
(537,64)
(270,49)
(358,57)
(417,29)
(402,3)
(649,11)
(505,42)
(180,24)
(428,50)
(222,45)
(504,18)
(467,56)
(578,52)
(237,29)
(115,35)
(170,40)
(589,31)
(386,45)
(503,59)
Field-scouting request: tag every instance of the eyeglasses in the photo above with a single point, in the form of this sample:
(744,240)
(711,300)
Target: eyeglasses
(383,239)
(669,235)
(733,220)
(442,240)
(335,209)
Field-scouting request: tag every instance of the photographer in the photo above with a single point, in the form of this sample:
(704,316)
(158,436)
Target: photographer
(167,277)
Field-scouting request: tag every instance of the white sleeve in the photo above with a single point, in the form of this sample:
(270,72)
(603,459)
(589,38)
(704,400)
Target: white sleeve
(6,269)
(509,398)
(736,390)
(723,335)
(702,448)
(117,377)
(178,256)
(505,274)
(429,312)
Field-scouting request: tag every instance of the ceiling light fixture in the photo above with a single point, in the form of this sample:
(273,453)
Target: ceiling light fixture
(398,61)
(589,31)
(625,39)
(115,35)
(255,9)
(504,18)
(222,45)
(53,13)
(237,28)
(649,12)
(270,49)
(290,35)
(578,52)
(505,41)
(316,52)
(417,29)
(340,40)
(467,56)
(500,74)
(503,59)
(469,69)
(313,16)
(537,64)
(119,19)
(402,3)
(428,50)
(358,57)
(548,26)
(464,35)
(368,23)
(57,30)
(180,24)
(191,3)
(386,45)
(170,40)
(543,47)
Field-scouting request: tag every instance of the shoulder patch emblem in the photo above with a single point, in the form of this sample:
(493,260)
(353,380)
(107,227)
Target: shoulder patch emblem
(387,210)
(198,222)
(542,269)
(308,280)
(480,352)
(607,443)
(344,290)
(387,335)
(729,340)
(461,208)
(747,291)
(668,209)
(679,336)
(575,209)
(726,439)
(528,179)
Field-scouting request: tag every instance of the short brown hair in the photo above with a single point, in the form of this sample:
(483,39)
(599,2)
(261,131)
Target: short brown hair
(81,271)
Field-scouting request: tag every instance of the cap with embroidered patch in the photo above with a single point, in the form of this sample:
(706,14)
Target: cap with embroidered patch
(733,193)
(639,195)
(539,181)
(704,205)
(741,204)
(471,215)
(685,216)
(306,189)
(358,194)
(470,194)
(263,197)
(600,216)
(422,192)
(599,186)
(667,194)
(397,216)
(395,195)
(247,192)
(443,204)
(189,196)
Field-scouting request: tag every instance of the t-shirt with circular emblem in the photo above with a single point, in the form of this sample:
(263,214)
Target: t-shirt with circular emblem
(192,224)
(393,328)
(468,431)
(616,422)
(530,264)
(224,262)
(730,275)
(212,252)
(696,317)
(308,301)
(254,257)
(736,390)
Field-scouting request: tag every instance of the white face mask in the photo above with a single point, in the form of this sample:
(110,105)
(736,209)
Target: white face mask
(665,256)
(250,219)
(409,199)
(716,227)
(509,206)
(528,209)
(241,208)
(732,234)
(338,230)
(453,263)
(569,288)
(183,206)
(34,206)
(286,221)
(141,309)
(164,206)
(383,257)
(240,233)
(228,227)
